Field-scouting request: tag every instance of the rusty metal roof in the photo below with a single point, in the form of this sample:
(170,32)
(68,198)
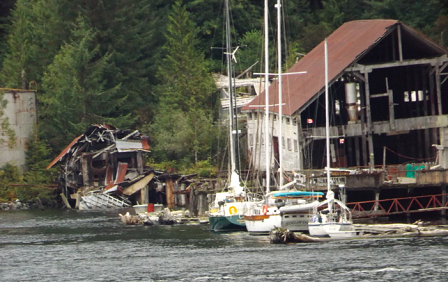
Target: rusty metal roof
(345,46)
(105,137)
(64,152)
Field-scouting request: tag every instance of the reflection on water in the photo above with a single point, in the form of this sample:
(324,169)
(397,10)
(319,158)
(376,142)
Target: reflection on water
(57,245)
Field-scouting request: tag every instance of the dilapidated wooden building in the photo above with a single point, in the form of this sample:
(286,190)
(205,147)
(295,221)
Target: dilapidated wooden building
(388,114)
(386,89)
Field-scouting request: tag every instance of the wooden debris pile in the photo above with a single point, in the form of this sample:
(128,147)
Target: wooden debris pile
(284,236)
(103,167)
(165,217)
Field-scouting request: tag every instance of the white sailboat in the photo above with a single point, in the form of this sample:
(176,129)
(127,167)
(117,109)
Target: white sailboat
(331,218)
(226,212)
(284,208)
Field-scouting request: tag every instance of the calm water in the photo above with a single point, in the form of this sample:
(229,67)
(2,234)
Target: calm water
(66,245)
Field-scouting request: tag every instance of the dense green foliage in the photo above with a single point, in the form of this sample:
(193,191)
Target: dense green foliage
(182,127)
(33,183)
(146,64)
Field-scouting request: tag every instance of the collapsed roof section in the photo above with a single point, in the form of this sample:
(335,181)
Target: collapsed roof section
(104,160)
(105,138)
(254,86)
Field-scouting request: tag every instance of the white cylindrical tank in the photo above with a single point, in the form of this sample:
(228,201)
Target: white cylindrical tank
(350,93)
(350,100)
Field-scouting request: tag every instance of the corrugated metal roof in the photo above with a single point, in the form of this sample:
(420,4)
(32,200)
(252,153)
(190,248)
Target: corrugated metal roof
(345,45)
(64,152)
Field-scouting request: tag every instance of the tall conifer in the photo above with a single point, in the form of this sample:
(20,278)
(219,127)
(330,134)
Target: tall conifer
(185,93)
(75,93)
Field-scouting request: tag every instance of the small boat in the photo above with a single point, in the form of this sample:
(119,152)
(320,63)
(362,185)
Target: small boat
(286,209)
(226,212)
(335,221)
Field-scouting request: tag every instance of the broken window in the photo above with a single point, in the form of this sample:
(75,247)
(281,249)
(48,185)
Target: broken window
(414,96)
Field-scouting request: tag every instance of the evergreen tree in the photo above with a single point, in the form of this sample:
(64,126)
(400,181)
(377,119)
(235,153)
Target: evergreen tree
(185,94)
(7,134)
(75,94)
(251,51)
(131,31)
(38,28)
(37,159)
(5,10)
(185,83)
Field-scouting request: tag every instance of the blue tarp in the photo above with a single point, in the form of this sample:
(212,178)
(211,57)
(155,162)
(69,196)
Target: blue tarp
(298,194)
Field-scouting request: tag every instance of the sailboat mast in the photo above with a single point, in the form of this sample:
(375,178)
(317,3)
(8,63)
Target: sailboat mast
(280,99)
(327,117)
(266,92)
(229,72)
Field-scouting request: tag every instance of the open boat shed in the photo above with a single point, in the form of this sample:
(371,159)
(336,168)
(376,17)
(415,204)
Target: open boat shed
(386,91)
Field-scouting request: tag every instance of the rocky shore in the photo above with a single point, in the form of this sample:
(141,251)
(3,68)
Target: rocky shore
(26,205)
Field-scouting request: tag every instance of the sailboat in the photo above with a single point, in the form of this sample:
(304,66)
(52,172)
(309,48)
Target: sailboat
(331,218)
(226,212)
(285,208)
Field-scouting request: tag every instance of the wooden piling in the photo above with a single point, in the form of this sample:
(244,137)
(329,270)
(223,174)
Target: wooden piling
(202,204)
(144,195)
(182,197)
(192,205)
(169,193)
(64,199)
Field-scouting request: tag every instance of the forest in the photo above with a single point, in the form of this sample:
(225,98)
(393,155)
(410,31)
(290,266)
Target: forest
(148,65)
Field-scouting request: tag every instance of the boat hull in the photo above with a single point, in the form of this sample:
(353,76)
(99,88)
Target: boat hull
(262,224)
(317,230)
(295,218)
(297,222)
(335,230)
(340,230)
(226,223)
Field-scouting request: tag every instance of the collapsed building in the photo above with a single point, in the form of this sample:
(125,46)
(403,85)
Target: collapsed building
(104,167)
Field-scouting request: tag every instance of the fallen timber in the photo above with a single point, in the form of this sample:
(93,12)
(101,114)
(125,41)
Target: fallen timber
(374,231)
(164,217)
(280,235)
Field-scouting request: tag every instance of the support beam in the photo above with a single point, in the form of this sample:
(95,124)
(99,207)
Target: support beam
(443,212)
(400,44)
(358,155)
(439,103)
(363,127)
(301,141)
(377,198)
(382,127)
(368,68)
(169,187)
(391,109)
(432,101)
(369,123)
(424,75)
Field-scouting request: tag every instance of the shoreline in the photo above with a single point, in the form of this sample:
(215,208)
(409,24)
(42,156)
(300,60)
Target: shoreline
(29,205)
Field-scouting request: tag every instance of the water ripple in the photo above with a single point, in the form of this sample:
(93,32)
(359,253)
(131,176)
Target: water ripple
(95,246)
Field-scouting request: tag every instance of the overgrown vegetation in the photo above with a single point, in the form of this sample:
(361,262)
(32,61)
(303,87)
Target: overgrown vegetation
(146,64)
(36,182)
